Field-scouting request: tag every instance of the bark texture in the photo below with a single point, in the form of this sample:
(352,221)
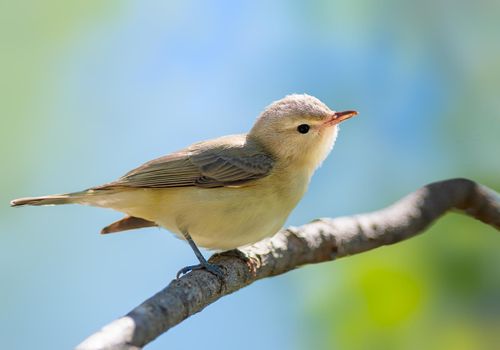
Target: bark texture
(318,241)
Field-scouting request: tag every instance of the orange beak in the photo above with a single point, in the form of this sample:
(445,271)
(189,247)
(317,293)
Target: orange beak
(338,117)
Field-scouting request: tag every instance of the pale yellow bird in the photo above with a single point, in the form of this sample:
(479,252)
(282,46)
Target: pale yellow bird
(223,193)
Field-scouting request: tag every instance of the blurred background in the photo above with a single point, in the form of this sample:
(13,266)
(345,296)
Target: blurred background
(90,89)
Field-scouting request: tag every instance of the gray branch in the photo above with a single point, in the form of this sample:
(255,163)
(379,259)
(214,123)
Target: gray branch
(318,241)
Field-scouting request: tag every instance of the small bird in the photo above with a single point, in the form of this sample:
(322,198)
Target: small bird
(227,192)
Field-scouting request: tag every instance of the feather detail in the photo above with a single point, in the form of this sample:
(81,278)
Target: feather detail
(127,223)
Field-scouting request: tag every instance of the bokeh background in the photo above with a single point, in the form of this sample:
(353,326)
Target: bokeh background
(90,89)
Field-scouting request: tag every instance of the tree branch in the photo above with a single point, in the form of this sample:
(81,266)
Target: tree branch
(318,241)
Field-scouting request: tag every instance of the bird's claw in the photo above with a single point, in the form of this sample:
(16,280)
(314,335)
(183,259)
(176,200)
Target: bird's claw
(212,268)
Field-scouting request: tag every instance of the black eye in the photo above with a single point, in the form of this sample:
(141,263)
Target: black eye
(303,128)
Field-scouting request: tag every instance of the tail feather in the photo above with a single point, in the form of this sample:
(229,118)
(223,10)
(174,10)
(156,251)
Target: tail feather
(56,199)
(127,223)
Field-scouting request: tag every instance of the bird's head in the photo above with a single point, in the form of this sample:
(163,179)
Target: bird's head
(299,129)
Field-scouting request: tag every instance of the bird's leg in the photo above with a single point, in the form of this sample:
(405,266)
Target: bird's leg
(204,264)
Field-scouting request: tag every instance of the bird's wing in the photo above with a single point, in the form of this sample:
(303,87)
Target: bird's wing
(218,163)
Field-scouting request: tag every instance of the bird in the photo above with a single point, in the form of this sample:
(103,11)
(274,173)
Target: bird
(227,192)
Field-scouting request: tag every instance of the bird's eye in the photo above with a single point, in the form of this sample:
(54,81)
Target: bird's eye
(303,128)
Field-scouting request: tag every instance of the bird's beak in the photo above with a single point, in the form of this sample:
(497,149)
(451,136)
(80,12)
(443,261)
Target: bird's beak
(338,117)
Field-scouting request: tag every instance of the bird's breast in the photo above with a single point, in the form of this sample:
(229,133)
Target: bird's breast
(226,218)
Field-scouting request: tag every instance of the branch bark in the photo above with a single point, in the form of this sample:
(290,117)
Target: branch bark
(318,241)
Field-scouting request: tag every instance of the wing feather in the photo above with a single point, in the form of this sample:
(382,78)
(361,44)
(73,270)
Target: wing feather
(229,161)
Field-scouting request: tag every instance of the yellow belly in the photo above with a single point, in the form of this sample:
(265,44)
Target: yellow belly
(216,218)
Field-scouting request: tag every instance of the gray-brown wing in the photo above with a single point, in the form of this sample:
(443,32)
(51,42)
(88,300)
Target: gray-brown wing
(173,170)
(230,168)
(212,167)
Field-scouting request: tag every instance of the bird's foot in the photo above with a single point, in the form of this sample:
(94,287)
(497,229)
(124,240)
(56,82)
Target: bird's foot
(212,268)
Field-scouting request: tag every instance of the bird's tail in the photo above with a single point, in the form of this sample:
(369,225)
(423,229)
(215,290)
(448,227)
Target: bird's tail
(56,199)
